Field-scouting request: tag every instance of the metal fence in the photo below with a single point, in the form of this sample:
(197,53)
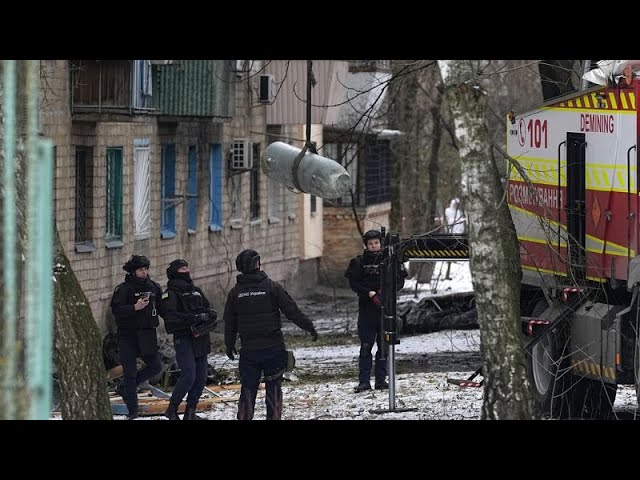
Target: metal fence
(27,287)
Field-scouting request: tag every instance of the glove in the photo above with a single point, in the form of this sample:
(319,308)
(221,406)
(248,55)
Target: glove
(376,300)
(202,325)
(314,334)
(200,317)
(231,351)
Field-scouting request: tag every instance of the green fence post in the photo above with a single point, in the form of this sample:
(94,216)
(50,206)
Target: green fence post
(39,285)
(10,307)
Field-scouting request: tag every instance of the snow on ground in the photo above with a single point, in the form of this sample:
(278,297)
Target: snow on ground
(427,392)
(325,375)
(458,280)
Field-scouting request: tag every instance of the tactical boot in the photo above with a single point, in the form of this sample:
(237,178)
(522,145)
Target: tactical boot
(190,414)
(132,415)
(172,412)
(383,385)
(362,387)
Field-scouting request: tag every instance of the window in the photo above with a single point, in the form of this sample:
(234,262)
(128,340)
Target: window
(236,200)
(215,188)
(141,190)
(100,85)
(142,84)
(114,197)
(313,207)
(192,189)
(84,176)
(378,172)
(274,189)
(168,192)
(290,203)
(274,205)
(369,66)
(254,201)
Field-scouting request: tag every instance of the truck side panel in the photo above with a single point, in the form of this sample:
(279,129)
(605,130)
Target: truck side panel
(537,140)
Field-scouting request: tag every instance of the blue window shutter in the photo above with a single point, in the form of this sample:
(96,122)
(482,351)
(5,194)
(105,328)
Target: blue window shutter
(192,189)
(168,191)
(215,193)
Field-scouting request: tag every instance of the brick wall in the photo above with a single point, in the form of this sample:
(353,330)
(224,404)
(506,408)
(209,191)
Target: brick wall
(211,254)
(342,240)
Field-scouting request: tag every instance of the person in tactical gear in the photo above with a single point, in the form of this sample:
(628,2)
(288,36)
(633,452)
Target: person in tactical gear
(190,318)
(253,311)
(135,305)
(364,278)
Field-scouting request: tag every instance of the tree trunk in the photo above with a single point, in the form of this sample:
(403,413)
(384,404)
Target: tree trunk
(495,265)
(77,346)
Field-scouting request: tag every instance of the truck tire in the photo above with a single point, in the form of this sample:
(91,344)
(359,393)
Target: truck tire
(542,366)
(589,399)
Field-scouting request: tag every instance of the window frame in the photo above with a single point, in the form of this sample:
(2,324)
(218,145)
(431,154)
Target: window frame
(141,189)
(115,197)
(215,187)
(168,191)
(192,189)
(84,182)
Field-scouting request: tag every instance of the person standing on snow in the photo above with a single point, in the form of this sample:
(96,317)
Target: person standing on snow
(253,311)
(186,306)
(454,217)
(363,273)
(135,305)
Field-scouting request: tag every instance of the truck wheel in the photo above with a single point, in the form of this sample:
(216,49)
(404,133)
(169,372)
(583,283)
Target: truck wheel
(542,365)
(587,398)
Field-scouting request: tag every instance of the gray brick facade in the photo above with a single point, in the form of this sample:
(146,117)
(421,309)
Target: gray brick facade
(211,254)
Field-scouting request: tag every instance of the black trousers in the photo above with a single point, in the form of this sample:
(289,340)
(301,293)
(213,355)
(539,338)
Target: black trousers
(193,371)
(270,361)
(369,333)
(131,345)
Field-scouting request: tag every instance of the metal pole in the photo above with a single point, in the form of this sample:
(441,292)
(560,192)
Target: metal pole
(39,287)
(9,246)
(391,324)
(309,78)
(391,363)
(390,337)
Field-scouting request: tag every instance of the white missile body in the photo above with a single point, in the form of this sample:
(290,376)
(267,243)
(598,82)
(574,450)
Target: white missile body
(317,175)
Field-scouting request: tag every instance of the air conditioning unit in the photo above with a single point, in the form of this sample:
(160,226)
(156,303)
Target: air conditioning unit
(266,89)
(241,155)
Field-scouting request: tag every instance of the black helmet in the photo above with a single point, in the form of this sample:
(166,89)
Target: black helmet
(173,267)
(247,261)
(136,262)
(371,234)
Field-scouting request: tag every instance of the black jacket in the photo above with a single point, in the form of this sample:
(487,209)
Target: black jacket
(364,276)
(127,294)
(182,301)
(363,273)
(252,311)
